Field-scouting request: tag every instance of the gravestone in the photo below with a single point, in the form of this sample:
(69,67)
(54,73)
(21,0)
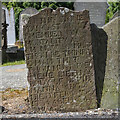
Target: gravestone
(29,12)
(10,20)
(110,99)
(97,11)
(11,28)
(59,59)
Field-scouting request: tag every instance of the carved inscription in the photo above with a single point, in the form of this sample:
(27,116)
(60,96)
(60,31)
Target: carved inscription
(60,61)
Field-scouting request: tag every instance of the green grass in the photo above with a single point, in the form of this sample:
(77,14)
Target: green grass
(14,63)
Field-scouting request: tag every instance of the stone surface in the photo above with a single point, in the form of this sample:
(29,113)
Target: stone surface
(111,89)
(27,12)
(58,49)
(99,114)
(97,11)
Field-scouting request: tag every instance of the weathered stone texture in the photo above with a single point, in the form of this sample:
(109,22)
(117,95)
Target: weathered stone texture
(59,58)
(111,84)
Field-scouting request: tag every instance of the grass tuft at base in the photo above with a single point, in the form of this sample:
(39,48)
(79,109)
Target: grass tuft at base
(14,63)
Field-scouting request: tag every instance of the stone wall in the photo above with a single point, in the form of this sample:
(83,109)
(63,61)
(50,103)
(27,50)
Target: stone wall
(58,49)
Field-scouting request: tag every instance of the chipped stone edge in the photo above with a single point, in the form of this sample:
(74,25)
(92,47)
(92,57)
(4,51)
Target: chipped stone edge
(62,10)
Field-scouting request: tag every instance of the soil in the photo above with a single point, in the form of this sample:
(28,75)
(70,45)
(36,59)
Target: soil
(16,101)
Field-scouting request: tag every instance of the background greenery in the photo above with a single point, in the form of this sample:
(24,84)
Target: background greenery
(112,9)
(20,6)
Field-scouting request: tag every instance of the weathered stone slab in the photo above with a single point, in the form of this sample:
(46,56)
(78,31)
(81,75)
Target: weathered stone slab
(97,11)
(111,89)
(29,12)
(59,58)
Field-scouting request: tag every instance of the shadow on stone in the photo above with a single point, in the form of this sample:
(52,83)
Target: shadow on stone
(99,44)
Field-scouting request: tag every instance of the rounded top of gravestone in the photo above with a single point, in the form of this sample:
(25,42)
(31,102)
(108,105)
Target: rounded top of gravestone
(58,11)
(23,18)
(61,10)
(29,10)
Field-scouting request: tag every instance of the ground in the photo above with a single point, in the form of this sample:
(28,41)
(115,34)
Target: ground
(15,97)
(14,77)
(15,101)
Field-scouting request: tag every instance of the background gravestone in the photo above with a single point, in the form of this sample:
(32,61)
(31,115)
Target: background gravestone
(97,11)
(11,28)
(59,58)
(4,29)
(111,84)
(10,20)
(28,11)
